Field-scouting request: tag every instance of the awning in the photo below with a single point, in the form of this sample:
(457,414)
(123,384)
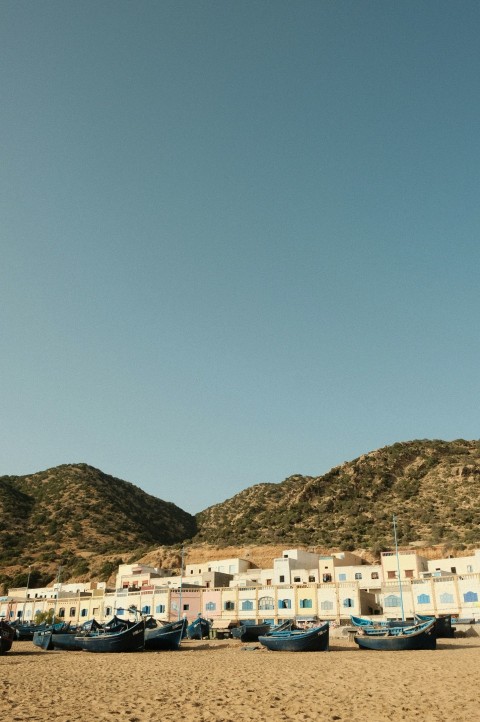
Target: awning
(223,623)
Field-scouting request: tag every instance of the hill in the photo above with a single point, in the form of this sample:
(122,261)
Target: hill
(85,520)
(89,522)
(432,486)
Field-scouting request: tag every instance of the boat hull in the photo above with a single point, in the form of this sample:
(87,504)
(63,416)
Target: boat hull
(312,640)
(166,637)
(43,639)
(424,638)
(7,635)
(67,642)
(128,640)
(250,632)
(198,629)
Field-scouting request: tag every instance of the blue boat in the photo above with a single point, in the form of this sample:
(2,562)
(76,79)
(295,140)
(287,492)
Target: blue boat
(199,628)
(443,624)
(298,640)
(7,635)
(129,639)
(417,636)
(250,632)
(164,637)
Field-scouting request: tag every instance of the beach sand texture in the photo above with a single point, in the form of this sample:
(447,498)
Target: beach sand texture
(230,681)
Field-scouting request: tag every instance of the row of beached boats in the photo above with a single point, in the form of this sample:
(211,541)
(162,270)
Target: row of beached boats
(147,633)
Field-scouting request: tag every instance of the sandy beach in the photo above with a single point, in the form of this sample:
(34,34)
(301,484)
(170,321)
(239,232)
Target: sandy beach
(230,681)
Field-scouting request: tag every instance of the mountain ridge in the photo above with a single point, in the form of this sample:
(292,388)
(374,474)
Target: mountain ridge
(89,522)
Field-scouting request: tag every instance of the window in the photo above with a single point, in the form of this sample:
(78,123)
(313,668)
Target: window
(311,579)
(247,605)
(342,577)
(392,601)
(266,603)
(108,611)
(453,570)
(470,597)
(297,579)
(191,571)
(229,606)
(73,611)
(423,599)
(146,609)
(391,575)
(446,598)
(469,569)
(305,603)
(145,582)
(269,582)
(284,603)
(160,609)
(327,577)
(409,573)
(210,606)
(358,575)
(186,607)
(374,575)
(125,585)
(281,578)
(61,612)
(348,602)
(84,612)
(326,606)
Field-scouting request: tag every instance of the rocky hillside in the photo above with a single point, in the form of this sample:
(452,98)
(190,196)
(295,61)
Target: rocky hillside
(432,486)
(89,522)
(83,519)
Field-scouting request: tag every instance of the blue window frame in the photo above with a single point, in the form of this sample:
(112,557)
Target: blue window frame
(210,606)
(247,605)
(305,604)
(470,597)
(423,599)
(160,609)
(392,601)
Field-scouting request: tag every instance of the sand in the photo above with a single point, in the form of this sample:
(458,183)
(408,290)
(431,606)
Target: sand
(230,681)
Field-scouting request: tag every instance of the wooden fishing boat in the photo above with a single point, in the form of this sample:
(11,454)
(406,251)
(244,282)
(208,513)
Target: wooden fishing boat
(250,632)
(129,639)
(7,635)
(443,624)
(199,628)
(164,637)
(298,640)
(417,636)
(43,638)
(25,632)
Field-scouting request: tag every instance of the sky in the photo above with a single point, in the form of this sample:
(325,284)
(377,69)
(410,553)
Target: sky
(239,240)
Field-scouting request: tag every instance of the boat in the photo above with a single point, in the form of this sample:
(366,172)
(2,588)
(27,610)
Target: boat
(298,640)
(417,636)
(366,623)
(7,635)
(66,639)
(43,637)
(164,637)
(199,628)
(129,639)
(25,632)
(443,624)
(250,632)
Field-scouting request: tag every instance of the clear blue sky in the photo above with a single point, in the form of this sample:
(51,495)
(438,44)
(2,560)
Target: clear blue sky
(239,240)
